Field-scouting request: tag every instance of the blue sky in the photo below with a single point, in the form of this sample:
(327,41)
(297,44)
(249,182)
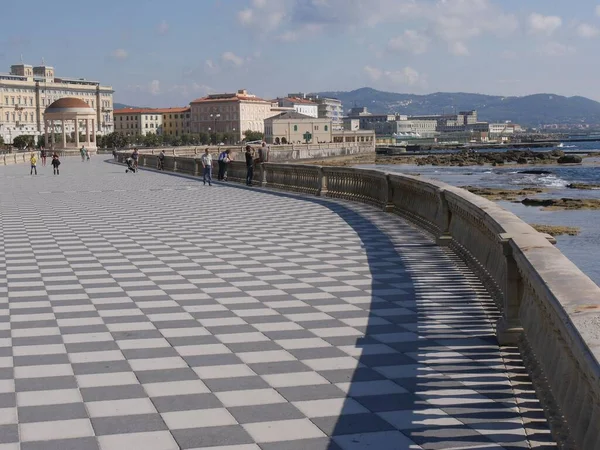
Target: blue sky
(161,53)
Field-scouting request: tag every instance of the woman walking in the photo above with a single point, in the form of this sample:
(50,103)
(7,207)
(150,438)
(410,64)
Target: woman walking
(43,155)
(33,161)
(55,163)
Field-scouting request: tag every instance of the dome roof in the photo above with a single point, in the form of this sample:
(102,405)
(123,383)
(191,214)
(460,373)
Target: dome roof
(69,103)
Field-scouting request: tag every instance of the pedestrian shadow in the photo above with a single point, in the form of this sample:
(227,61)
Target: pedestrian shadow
(429,371)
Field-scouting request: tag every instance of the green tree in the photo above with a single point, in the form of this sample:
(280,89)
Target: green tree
(186,139)
(203,138)
(229,138)
(100,141)
(24,141)
(115,140)
(151,140)
(253,136)
(41,140)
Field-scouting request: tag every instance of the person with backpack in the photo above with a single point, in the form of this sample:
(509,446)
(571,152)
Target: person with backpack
(222,165)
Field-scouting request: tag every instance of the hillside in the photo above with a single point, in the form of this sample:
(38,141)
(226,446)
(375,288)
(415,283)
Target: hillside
(123,106)
(531,110)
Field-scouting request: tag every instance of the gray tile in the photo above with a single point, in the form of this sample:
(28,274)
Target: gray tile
(84,329)
(212,360)
(316,353)
(128,424)
(186,402)
(83,347)
(261,346)
(231,329)
(41,340)
(8,400)
(236,384)
(390,402)
(148,353)
(101,367)
(158,376)
(446,437)
(351,375)
(306,393)
(303,444)
(279,367)
(193,340)
(265,413)
(212,437)
(9,433)
(293,334)
(352,424)
(45,384)
(46,413)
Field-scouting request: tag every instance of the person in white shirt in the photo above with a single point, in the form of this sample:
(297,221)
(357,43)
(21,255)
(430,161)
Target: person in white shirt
(207,167)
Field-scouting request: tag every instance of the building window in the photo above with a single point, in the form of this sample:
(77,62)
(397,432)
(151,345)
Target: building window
(326,128)
(146,125)
(295,127)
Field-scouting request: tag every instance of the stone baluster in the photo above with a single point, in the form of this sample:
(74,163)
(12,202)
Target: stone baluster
(444,220)
(509,329)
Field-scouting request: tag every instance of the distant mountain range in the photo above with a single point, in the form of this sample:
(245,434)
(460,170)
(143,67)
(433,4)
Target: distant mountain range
(123,106)
(531,110)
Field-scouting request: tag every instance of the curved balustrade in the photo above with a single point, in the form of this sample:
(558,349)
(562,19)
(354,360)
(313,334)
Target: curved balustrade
(549,307)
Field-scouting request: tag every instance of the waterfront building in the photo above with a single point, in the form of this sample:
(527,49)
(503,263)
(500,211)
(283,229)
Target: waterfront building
(233,113)
(291,127)
(328,108)
(139,121)
(177,121)
(300,105)
(27,91)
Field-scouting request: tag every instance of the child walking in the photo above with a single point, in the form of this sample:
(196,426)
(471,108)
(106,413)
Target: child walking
(33,161)
(55,163)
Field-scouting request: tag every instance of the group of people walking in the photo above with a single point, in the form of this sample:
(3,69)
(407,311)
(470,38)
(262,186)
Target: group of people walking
(33,159)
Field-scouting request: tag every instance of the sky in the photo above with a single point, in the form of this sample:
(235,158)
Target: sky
(167,53)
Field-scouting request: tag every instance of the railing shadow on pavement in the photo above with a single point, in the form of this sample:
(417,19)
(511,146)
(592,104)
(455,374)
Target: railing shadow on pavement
(429,371)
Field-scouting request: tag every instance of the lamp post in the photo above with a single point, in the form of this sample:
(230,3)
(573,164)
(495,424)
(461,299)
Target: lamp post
(215,117)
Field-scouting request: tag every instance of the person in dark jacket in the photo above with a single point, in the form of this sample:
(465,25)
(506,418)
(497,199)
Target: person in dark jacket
(249,165)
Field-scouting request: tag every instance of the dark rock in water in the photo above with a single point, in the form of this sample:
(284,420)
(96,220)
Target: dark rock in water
(522,160)
(535,172)
(583,186)
(570,159)
(537,202)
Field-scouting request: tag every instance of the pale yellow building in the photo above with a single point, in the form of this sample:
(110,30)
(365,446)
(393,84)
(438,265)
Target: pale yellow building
(230,113)
(177,121)
(139,121)
(294,128)
(27,91)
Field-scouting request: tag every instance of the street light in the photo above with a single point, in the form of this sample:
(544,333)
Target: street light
(215,117)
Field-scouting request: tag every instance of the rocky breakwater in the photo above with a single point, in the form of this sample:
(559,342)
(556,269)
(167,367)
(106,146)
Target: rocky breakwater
(471,158)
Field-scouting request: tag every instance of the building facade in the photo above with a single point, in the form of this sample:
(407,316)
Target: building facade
(300,105)
(177,121)
(139,121)
(328,108)
(27,91)
(230,113)
(296,128)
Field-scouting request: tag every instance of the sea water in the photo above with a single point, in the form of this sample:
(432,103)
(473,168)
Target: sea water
(582,249)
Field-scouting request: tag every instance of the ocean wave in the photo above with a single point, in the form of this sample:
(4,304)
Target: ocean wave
(545,180)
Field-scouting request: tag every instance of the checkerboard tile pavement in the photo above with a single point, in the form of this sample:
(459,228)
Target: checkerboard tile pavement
(147,311)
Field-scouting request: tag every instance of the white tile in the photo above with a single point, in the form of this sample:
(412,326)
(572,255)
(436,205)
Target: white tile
(34,332)
(237,338)
(120,407)
(197,350)
(106,379)
(133,326)
(249,397)
(59,429)
(277,326)
(29,350)
(87,337)
(344,362)
(281,380)
(215,417)
(227,371)
(265,356)
(55,397)
(175,388)
(8,416)
(7,386)
(154,440)
(292,344)
(283,430)
(336,331)
(135,344)
(50,370)
(173,362)
(333,407)
(86,357)
(378,387)
(184,332)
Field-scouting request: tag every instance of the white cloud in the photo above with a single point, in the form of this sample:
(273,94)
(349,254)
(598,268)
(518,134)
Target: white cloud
(264,15)
(154,87)
(120,54)
(458,48)
(187,90)
(246,16)
(409,41)
(540,24)
(373,73)
(587,31)
(232,58)
(407,76)
(162,28)
(556,49)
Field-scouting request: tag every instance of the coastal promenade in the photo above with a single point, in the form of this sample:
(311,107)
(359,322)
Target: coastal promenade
(151,312)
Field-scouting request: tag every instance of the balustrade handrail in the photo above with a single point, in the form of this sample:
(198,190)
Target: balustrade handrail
(550,308)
